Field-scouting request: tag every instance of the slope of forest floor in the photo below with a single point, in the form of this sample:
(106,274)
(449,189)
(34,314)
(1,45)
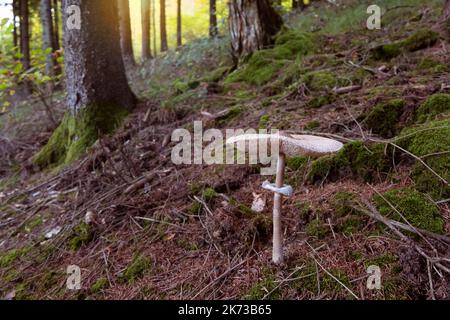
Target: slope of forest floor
(140,227)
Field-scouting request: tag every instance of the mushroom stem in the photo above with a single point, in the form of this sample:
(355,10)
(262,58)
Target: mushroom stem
(277,254)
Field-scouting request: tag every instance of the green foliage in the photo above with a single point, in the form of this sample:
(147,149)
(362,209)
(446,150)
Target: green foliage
(431,142)
(436,104)
(421,39)
(384,118)
(343,203)
(418,210)
(232,114)
(137,268)
(209,194)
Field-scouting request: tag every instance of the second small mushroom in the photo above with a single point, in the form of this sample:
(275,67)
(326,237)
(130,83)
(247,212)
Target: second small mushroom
(289,146)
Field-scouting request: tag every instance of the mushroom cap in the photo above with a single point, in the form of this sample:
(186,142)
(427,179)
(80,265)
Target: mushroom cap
(294,145)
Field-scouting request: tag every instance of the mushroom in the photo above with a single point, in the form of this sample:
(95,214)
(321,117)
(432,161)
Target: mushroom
(289,146)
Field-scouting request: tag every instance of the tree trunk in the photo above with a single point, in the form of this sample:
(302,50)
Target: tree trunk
(447,10)
(15,33)
(47,36)
(253,24)
(98,95)
(153,26)
(25,40)
(179,35)
(56,44)
(126,40)
(213,31)
(145,22)
(163,31)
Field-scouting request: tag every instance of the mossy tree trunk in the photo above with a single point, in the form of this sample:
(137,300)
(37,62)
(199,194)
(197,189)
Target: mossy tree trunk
(98,95)
(179,25)
(253,25)
(125,32)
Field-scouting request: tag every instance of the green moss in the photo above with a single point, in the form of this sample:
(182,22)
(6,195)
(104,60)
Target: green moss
(421,39)
(263,65)
(264,121)
(137,268)
(436,104)
(33,224)
(343,203)
(430,141)
(195,208)
(216,75)
(11,256)
(362,161)
(350,224)
(82,235)
(232,114)
(414,206)
(382,261)
(317,228)
(310,281)
(312,125)
(320,101)
(321,168)
(432,65)
(297,42)
(296,163)
(209,194)
(262,225)
(384,117)
(182,86)
(263,287)
(75,134)
(320,80)
(99,285)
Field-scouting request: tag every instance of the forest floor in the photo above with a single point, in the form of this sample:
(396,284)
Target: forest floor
(140,227)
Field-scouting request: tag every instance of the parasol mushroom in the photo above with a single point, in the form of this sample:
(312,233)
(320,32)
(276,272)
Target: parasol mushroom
(289,146)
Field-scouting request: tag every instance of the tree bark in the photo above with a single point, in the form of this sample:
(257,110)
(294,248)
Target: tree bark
(179,35)
(213,31)
(15,33)
(47,36)
(146,32)
(153,26)
(25,40)
(163,30)
(447,10)
(56,42)
(253,24)
(98,95)
(126,40)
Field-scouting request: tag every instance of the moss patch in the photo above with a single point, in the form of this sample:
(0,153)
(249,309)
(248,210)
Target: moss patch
(436,104)
(430,141)
(317,228)
(320,80)
(137,268)
(11,256)
(262,66)
(77,133)
(99,285)
(414,206)
(356,159)
(383,119)
(82,235)
(263,287)
(421,39)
